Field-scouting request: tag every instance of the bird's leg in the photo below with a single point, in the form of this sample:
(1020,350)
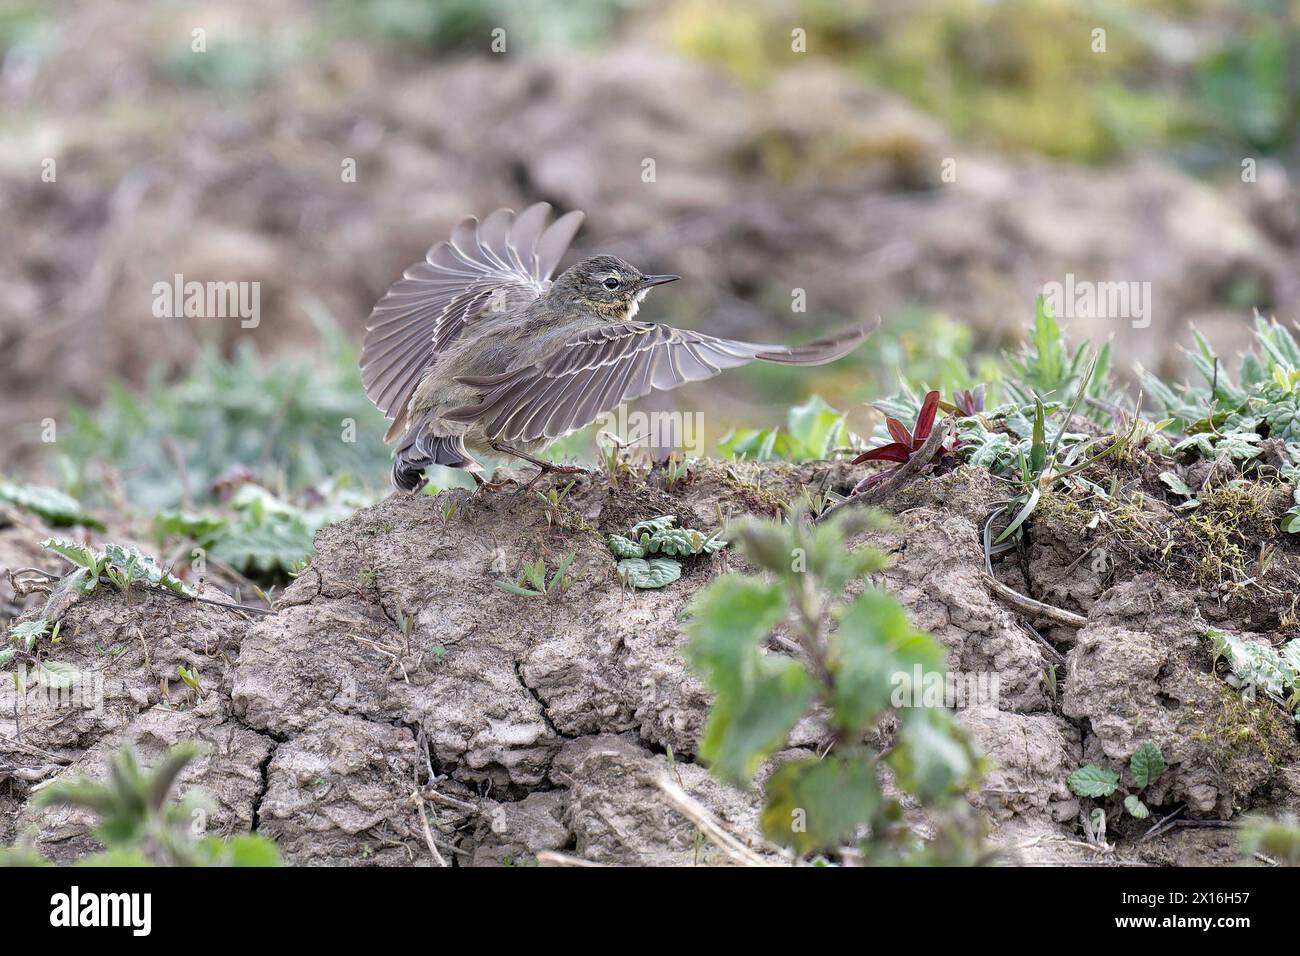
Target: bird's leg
(544,465)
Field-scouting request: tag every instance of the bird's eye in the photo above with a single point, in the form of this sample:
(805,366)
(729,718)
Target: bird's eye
(611,283)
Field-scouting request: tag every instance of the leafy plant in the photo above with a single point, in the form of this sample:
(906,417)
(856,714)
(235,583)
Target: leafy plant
(1146,765)
(813,431)
(905,443)
(122,567)
(54,506)
(261,534)
(859,669)
(535,582)
(1045,370)
(1291,520)
(140,825)
(1254,667)
(1051,459)
(291,423)
(638,566)
(1263,402)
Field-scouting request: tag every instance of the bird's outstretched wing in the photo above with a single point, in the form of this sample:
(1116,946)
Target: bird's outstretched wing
(503,262)
(602,367)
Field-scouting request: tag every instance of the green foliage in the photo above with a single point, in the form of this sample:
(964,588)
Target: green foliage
(1278,839)
(859,669)
(468,24)
(285,421)
(1093,781)
(1025,76)
(54,506)
(1232,417)
(120,566)
(535,583)
(123,566)
(813,431)
(260,534)
(1046,370)
(140,825)
(1146,764)
(649,574)
(658,536)
(1145,767)
(1050,456)
(1257,667)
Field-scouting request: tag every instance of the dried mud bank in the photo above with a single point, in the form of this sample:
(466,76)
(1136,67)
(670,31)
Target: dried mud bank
(396,683)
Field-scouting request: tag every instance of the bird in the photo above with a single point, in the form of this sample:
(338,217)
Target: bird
(478,351)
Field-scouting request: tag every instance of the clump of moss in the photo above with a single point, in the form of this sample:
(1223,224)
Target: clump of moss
(1221,537)
(1238,732)
(1120,526)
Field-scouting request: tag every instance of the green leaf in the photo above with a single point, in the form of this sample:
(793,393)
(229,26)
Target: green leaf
(745,729)
(819,804)
(1146,764)
(164,775)
(27,633)
(651,574)
(51,504)
(1038,446)
(1021,516)
(511,588)
(79,554)
(1136,807)
(933,757)
(55,675)
(766,545)
(816,428)
(874,653)
(559,578)
(622,547)
(727,620)
(675,541)
(651,525)
(1047,341)
(1093,781)
(243,849)
(758,697)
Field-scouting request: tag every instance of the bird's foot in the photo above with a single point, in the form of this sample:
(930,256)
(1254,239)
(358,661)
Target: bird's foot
(485,487)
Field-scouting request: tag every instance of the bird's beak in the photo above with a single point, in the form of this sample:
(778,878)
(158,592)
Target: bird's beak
(648,281)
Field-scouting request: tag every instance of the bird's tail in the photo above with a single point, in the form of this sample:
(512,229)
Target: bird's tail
(414,456)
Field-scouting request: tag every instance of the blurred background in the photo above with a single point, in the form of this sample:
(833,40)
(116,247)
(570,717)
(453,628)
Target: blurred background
(930,163)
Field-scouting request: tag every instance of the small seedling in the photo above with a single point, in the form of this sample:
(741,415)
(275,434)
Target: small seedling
(1146,765)
(535,583)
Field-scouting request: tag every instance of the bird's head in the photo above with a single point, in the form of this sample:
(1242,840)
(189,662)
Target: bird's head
(611,286)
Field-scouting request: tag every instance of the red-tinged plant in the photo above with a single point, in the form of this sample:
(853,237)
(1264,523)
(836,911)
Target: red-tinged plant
(905,443)
(967,403)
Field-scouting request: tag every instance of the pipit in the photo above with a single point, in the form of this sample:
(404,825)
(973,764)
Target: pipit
(476,349)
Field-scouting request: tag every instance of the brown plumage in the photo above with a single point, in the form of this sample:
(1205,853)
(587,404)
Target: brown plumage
(477,350)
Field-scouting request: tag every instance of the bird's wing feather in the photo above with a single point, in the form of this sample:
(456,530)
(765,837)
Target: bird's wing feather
(505,257)
(602,367)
